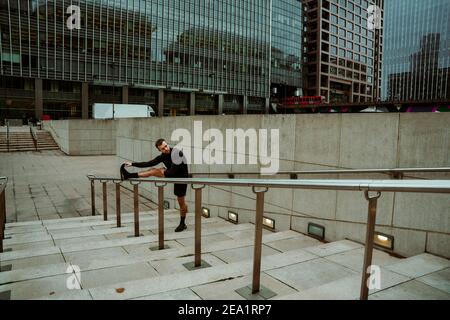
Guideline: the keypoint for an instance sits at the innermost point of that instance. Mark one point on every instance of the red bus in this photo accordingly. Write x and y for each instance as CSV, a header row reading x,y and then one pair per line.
x,y
291,102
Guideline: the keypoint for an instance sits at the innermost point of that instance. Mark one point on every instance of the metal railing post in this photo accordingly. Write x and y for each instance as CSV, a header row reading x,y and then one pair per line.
x,y
198,226
160,216
368,251
136,209
258,239
93,197
118,211
105,202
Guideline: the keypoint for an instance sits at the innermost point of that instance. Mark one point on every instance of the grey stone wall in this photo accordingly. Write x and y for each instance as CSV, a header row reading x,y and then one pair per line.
x,y
419,222
84,137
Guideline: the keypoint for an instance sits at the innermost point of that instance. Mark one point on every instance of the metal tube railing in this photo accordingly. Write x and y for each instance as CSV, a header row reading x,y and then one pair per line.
x,y
396,173
3,183
367,186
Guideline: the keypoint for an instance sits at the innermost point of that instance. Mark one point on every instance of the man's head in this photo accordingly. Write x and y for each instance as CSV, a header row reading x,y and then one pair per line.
x,y
162,146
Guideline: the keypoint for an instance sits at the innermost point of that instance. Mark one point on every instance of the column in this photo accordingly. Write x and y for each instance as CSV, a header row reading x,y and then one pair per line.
x,y
192,104
38,98
267,106
220,104
125,94
85,100
160,102
245,105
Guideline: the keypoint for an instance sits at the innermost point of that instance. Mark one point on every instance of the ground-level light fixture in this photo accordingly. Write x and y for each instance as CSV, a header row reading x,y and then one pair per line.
x,y
233,217
382,240
166,204
269,223
317,231
205,212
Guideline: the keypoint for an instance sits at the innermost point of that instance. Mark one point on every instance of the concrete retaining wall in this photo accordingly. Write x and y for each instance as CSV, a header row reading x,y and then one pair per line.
x,y
329,141
84,137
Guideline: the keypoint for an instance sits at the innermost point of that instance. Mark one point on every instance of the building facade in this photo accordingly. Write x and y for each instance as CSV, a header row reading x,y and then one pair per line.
x,y
343,50
287,49
183,56
417,50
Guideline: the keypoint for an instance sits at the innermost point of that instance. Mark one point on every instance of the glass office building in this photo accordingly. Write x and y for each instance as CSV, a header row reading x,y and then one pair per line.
x,y
183,56
287,45
416,50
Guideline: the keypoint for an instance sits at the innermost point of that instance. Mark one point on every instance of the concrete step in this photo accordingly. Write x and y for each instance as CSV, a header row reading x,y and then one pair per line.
x,y
91,222
87,261
167,263
208,228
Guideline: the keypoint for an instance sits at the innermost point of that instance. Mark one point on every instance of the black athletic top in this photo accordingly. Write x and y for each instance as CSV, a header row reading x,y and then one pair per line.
x,y
173,170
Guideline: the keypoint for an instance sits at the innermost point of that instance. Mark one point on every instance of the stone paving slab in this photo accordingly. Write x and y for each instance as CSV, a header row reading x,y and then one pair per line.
x,y
67,295
144,249
27,238
84,259
347,288
244,234
37,261
353,259
439,280
329,249
30,246
28,253
239,254
225,290
72,241
411,290
298,242
310,274
33,273
419,265
172,266
205,239
109,276
181,294
37,288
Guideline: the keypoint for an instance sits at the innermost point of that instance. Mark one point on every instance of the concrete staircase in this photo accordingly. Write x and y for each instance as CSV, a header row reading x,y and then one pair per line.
x,y
23,141
42,259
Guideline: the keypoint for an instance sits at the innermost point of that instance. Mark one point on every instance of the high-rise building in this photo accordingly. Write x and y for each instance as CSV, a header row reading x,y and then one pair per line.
x,y
416,50
343,49
183,56
287,46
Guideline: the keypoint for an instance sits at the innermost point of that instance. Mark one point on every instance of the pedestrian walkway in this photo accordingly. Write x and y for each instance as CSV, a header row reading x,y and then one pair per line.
x,y
49,185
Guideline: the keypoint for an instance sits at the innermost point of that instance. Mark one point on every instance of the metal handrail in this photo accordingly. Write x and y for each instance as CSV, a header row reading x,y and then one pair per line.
x,y
260,187
395,172
3,183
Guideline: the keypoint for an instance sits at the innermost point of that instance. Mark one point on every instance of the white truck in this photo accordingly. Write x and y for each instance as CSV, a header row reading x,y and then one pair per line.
x,y
119,111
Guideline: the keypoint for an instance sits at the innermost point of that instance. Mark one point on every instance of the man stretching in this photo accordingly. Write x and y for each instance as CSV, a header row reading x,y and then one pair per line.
x,y
172,170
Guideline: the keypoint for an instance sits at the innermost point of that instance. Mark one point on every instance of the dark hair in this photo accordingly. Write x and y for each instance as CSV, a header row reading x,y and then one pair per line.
x,y
159,142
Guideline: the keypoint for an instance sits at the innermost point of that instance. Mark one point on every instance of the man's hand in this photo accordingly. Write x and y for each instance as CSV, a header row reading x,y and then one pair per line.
x,y
128,164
